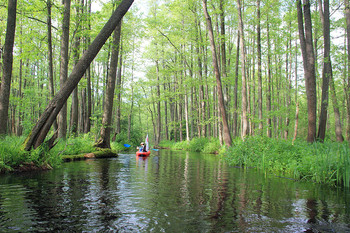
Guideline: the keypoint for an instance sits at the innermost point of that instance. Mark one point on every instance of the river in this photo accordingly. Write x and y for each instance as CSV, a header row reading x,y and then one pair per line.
x,y
170,191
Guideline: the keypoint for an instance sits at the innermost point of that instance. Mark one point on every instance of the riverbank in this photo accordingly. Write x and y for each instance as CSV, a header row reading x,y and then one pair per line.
x,y
14,159
327,163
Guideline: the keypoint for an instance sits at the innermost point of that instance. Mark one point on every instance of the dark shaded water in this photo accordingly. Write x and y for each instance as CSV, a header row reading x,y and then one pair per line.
x,y
167,192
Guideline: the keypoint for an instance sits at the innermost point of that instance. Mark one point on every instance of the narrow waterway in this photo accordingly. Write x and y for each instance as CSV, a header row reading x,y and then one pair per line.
x,y
170,191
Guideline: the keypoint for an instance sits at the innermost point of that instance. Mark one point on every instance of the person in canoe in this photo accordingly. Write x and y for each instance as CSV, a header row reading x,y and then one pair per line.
x,y
142,148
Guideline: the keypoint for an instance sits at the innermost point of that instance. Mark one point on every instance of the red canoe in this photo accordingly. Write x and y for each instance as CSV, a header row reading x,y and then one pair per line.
x,y
138,153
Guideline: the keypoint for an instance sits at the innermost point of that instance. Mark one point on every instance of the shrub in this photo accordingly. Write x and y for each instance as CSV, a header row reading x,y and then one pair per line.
x,y
212,146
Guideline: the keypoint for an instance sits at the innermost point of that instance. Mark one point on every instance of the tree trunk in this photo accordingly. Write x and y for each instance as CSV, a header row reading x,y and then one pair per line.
x,y
159,116
327,70
62,119
49,45
74,119
87,125
309,65
289,81
104,141
118,89
338,127
347,15
245,128
227,135
44,123
7,66
235,89
268,91
296,122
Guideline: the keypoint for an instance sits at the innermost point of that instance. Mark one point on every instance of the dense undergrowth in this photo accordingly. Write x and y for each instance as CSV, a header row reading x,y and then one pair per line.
x,y
205,145
327,162
12,154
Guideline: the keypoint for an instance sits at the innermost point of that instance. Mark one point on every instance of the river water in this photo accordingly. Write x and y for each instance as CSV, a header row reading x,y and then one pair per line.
x,y
170,191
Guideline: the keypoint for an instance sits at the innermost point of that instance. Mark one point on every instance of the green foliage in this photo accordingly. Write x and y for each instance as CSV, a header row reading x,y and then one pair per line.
x,y
184,145
74,145
327,162
10,153
197,144
212,146
166,144
205,145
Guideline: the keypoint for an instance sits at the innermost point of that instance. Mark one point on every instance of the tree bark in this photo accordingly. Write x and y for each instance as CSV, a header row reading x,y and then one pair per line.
x,y
235,89
269,84
49,45
309,65
74,119
7,66
87,125
104,141
159,118
62,118
327,70
245,128
40,130
118,89
227,135
347,16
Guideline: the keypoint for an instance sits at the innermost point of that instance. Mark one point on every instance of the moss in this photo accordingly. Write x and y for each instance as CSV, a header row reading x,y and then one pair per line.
x,y
100,153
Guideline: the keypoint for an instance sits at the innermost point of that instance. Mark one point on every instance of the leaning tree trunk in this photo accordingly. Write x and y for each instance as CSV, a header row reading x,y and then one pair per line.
x,y
227,135
42,127
7,66
105,137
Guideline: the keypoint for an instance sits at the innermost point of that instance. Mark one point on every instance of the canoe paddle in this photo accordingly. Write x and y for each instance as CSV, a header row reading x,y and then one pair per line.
x,y
127,146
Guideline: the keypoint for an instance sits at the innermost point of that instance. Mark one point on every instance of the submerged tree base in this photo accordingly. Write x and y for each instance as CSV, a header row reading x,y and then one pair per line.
x,y
103,153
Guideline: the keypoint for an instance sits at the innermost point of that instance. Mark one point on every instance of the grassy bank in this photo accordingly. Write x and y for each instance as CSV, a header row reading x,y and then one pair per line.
x,y
327,162
12,157
205,145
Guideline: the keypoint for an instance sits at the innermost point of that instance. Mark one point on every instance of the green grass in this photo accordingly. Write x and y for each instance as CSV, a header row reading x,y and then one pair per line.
x,y
326,162
204,145
12,155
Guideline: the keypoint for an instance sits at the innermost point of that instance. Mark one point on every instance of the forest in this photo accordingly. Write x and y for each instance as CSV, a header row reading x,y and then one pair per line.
x,y
220,70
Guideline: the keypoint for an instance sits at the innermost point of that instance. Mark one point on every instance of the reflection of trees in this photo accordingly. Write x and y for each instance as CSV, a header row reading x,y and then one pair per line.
x,y
108,212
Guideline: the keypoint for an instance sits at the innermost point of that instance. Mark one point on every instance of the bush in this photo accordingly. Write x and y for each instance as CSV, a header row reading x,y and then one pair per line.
x,y
212,146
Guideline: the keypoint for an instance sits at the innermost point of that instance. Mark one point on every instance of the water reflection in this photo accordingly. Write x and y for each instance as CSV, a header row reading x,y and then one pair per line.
x,y
168,191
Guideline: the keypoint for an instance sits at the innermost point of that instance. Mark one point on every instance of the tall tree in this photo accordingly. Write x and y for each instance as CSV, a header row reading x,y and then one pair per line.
x,y
104,141
347,16
305,36
49,47
64,59
327,70
87,120
327,75
260,98
226,134
245,128
5,86
42,127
